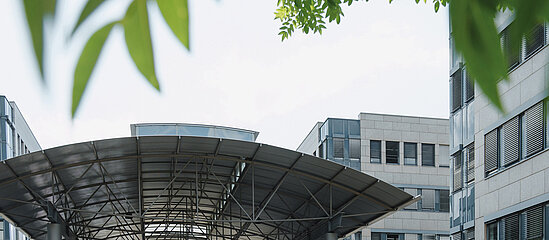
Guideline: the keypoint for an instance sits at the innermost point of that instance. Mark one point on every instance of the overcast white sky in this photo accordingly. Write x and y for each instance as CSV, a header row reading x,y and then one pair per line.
x,y
382,58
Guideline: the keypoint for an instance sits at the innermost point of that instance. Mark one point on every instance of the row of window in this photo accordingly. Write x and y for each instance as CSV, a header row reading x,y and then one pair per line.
x,y
519,138
518,50
530,224
432,200
402,236
468,234
464,166
392,153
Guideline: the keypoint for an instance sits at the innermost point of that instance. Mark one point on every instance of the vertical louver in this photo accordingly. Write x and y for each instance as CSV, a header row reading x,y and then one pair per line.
x,y
511,47
469,87
456,90
535,39
470,162
533,228
533,129
458,179
510,141
491,151
511,227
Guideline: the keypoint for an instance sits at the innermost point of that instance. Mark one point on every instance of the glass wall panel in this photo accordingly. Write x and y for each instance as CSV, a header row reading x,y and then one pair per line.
x,y
156,130
392,152
443,156
337,125
354,127
457,129
375,151
413,192
428,199
410,153
444,196
338,147
492,231
354,148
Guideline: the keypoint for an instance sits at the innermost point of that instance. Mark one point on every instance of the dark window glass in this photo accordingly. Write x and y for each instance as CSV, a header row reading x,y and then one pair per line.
x,y
535,39
427,154
392,152
376,236
492,231
358,235
354,148
338,147
457,90
321,150
444,196
410,153
375,151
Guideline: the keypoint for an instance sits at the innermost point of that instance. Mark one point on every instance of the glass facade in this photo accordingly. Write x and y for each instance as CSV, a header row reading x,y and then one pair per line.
x,y
340,142
180,129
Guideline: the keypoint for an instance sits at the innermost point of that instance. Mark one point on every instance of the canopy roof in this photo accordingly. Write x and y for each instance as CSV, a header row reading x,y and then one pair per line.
x,y
174,187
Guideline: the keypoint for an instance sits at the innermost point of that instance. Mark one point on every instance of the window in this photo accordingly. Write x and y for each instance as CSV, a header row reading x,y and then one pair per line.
x,y
337,125
457,132
457,95
444,196
458,179
469,87
470,234
470,149
456,236
510,141
376,236
492,231
354,127
375,151
491,151
428,199
413,192
322,150
511,47
533,223
427,154
532,126
535,39
443,156
511,227
338,147
354,148
410,153
358,235
392,152
428,237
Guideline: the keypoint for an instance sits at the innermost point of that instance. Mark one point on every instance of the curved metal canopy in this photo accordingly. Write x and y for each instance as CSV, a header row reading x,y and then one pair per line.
x,y
170,187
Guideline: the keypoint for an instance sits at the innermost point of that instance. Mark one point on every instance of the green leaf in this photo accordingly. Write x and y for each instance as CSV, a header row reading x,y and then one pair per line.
x,y
138,40
176,14
86,63
35,12
437,6
476,37
90,7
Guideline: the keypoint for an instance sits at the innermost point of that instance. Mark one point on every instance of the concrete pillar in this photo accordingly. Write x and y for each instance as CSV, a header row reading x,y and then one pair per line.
x,y
54,231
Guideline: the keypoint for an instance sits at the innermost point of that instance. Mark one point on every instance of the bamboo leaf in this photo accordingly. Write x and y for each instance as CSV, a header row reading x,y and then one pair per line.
x,y
138,40
86,63
477,39
176,15
35,12
90,7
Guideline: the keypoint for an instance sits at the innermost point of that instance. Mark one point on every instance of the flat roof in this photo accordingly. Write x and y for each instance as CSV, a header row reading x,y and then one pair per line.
x,y
174,187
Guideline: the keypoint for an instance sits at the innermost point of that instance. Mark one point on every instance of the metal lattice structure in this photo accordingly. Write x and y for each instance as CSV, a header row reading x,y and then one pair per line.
x,y
173,187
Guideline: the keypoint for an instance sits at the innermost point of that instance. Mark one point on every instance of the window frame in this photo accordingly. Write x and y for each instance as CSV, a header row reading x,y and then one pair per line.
x,y
379,152
397,152
415,151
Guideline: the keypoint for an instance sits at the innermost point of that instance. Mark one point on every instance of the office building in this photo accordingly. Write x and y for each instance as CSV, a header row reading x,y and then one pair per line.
x,y
410,153
16,139
500,162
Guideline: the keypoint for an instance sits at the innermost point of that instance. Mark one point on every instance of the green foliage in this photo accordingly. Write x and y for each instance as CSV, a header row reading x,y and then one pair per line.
x,y
86,63
136,32
176,14
36,12
138,40
475,35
